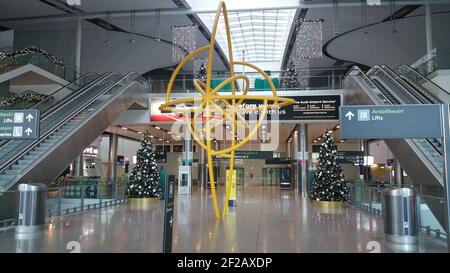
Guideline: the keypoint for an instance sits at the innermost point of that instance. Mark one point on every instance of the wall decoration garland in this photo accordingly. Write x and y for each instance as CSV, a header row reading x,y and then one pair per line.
x,y
31,50
27,96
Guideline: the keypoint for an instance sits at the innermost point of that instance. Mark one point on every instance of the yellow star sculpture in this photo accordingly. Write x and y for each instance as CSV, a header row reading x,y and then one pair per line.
x,y
227,105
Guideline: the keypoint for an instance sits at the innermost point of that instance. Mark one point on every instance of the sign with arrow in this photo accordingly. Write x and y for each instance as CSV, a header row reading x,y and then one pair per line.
x,y
19,124
390,121
349,115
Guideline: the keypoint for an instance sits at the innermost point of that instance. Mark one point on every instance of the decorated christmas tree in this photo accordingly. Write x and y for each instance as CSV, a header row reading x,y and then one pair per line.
x,y
292,81
144,179
328,182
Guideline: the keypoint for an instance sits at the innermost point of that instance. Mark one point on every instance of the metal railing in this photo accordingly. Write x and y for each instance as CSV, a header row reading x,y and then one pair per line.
x,y
435,60
369,198
314,78
67,200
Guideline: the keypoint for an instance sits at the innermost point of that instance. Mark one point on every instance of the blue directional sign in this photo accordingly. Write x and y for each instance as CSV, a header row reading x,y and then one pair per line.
x,y
19,124
390,121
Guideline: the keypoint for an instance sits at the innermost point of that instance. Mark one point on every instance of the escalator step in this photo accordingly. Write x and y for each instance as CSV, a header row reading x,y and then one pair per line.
x,y
12,172
17,167
27,159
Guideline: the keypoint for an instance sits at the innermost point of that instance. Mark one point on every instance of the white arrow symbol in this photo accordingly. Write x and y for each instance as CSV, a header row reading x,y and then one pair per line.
x,y
29,117
349,115
28,131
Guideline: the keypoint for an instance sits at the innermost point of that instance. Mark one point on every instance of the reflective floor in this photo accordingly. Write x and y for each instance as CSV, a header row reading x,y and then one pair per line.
x,y
265,220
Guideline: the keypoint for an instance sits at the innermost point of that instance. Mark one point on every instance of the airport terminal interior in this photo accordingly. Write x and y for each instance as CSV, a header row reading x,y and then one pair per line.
x,y
197,126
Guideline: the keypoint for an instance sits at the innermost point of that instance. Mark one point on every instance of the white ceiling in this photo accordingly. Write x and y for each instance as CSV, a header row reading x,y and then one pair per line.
x,y
114,5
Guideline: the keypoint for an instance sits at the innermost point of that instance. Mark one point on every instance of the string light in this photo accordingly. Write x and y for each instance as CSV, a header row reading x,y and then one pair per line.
x,y
184,41
302,69
308,43
197,68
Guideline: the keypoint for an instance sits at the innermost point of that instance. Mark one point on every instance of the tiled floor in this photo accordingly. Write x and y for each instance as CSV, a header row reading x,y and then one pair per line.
x,y
265,220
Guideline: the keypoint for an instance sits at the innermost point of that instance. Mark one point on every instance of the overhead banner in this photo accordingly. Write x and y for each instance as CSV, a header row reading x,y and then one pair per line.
x,y
306,108
319,107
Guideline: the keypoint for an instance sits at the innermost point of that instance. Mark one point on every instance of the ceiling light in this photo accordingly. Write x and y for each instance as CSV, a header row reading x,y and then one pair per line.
x,y
167,141
338,126
315,140
330,131
295,132
124,128
319,138
159,139
139,132
151,136
169,132
342,140
156,127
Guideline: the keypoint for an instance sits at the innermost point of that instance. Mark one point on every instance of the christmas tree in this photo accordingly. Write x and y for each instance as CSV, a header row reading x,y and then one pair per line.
x,y
201,74
144,179
292,81
328,182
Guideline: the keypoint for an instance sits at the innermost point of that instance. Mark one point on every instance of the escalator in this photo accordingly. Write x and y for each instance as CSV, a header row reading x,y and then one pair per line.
x,y
67,126
420,158
52,100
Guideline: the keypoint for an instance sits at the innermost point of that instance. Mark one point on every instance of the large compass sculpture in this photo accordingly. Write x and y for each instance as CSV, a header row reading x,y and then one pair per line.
x,y
228,106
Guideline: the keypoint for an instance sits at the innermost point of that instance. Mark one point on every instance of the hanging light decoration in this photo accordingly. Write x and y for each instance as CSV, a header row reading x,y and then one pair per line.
x,y
198,71
184,41
393,16
108,28
308,43
132,24
302,69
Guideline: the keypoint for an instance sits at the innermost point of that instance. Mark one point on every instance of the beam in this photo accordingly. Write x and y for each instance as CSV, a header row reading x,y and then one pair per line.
x,y
185,11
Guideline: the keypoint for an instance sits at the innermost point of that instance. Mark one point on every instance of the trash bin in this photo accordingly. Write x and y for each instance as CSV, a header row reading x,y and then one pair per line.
x,y
31,211
400,215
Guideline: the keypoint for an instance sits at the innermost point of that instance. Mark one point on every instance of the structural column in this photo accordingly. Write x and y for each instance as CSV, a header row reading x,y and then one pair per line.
x,y
429,36
78,49
78,165
398,173
187,146
202,168
302,158
428,28
112,168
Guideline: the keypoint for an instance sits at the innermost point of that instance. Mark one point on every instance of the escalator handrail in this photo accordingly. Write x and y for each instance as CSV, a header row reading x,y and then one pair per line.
x,y
373,70
379,68
68,118
409,68
20,153
401,81
3,142
65,86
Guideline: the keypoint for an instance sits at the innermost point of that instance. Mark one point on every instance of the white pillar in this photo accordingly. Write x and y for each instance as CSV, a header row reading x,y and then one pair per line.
x,y
78,49
303,157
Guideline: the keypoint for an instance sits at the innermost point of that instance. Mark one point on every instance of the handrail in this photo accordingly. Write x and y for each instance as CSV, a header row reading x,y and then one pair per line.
x,y
410,69
43,114
42,137
400,80
69,117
